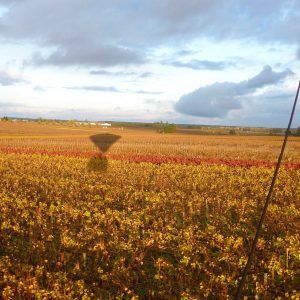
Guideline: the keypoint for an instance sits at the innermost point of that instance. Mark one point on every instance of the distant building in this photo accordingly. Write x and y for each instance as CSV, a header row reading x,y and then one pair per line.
x,y
105,125
80,123
84,123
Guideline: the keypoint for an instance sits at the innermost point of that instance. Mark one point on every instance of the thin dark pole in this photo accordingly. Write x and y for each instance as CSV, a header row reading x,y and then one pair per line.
x,y
264,211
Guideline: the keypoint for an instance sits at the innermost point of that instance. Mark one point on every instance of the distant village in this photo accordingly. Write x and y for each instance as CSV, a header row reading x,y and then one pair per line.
x,y
163,127
99,124
74,122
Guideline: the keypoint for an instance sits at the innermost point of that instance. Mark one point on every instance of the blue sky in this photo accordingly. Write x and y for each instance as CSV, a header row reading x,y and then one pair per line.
x,y
194,61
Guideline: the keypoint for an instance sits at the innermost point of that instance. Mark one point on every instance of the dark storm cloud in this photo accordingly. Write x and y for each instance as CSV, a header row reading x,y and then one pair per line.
x,y
86,35
109,33
202,64
100,55
270,108
216,100
265,77
6,79
7,2
268,20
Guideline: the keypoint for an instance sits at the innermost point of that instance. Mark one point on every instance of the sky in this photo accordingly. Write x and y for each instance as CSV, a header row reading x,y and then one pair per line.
x,y
195,61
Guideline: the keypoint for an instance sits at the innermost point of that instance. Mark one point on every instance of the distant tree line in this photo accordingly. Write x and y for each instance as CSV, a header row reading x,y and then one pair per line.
x,y
165,127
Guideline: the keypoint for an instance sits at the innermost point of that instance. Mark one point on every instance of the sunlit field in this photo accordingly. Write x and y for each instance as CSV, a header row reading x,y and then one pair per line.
x,y
169,216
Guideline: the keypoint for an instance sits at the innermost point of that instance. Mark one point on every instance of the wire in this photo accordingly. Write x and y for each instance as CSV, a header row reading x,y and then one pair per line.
x,y
264,211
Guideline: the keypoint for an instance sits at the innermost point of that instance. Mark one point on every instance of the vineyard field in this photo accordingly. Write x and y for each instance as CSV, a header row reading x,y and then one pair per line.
x,y
168,216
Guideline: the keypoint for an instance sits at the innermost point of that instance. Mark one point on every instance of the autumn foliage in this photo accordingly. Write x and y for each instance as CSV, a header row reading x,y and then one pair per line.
x,y
149,227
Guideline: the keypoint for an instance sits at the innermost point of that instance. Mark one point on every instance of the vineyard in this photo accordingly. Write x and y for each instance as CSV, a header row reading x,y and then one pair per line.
x,y
171,216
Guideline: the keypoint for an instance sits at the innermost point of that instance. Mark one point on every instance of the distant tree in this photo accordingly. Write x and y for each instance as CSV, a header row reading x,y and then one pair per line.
x,y
297,131
5,118
166,127
232,132
71,122
169,128
276,131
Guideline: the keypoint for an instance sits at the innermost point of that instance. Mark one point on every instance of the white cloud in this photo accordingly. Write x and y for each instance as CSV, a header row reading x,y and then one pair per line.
x,y
114,53
7,79
218,99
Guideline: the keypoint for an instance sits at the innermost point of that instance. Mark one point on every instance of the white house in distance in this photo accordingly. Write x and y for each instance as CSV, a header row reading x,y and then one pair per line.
x,y
88,123
105,125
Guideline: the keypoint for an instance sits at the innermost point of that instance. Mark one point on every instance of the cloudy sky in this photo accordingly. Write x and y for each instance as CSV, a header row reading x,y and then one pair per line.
x,y
194,61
